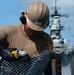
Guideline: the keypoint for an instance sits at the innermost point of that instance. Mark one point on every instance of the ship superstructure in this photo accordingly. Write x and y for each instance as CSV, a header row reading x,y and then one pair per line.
x,y
60,45
55,30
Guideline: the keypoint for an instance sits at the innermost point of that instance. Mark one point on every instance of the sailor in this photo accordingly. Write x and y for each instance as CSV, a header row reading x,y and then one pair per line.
x,y
29,35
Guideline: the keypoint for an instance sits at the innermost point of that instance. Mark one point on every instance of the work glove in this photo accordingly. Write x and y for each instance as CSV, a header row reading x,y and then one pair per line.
x,y
10,54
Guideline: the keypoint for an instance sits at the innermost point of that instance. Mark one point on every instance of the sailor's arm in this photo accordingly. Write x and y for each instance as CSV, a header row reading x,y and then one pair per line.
x,y
2,34
50,44
5,31
50,47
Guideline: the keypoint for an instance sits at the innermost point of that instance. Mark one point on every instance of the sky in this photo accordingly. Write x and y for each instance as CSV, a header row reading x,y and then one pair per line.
x,y
10,11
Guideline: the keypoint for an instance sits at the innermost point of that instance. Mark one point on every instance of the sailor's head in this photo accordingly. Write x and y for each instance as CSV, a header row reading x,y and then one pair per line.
x,y
37,16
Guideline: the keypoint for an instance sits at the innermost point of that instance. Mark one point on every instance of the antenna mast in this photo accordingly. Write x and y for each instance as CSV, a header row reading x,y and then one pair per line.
x,y
55,7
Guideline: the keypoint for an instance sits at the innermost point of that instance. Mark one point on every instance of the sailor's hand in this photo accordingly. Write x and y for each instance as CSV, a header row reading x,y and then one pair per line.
x,y
13,53
5,54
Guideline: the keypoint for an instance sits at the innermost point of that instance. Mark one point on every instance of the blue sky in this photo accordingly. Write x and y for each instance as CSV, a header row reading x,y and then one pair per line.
x,y
10,11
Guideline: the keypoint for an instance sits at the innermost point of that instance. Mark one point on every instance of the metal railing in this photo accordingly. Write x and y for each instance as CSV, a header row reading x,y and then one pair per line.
x,y
18,67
